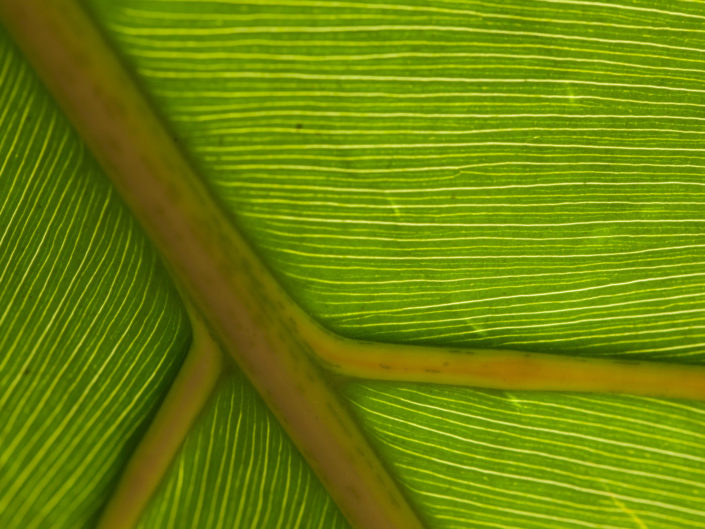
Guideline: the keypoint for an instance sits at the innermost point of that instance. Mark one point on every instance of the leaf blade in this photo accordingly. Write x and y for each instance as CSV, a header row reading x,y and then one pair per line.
x,y
493,459
92,332
524,175
237,468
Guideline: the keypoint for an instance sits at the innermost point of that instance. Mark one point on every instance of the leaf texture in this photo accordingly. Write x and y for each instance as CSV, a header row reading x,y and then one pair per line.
x,y
532,460
91,332
514,174
509,174
237,468
522,174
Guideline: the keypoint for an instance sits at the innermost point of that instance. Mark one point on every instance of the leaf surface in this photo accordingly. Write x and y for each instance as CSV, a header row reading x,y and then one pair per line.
x,y
91,331
238,469
525,175
493,459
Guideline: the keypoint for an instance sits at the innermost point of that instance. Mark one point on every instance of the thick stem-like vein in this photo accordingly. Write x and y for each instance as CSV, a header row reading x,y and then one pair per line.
x,y
149,462
510,370
254,321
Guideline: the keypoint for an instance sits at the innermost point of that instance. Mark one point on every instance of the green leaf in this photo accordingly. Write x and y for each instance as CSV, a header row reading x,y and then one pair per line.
x,y
91,330
487,459
239,453
451,173
92,335
523,175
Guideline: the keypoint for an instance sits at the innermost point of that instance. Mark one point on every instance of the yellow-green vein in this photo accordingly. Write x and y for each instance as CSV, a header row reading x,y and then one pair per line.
x,y
150,460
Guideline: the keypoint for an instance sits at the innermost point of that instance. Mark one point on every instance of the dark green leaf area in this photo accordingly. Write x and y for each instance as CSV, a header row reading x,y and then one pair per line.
x,y
91,331
237,468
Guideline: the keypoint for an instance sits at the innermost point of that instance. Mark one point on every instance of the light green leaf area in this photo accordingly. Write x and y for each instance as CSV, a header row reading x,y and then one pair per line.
x,y
237,468
536,460
502,174
92,334
499,174
91,331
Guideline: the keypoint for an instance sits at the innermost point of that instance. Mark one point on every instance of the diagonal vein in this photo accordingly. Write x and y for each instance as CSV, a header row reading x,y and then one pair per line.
x,y
245,308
